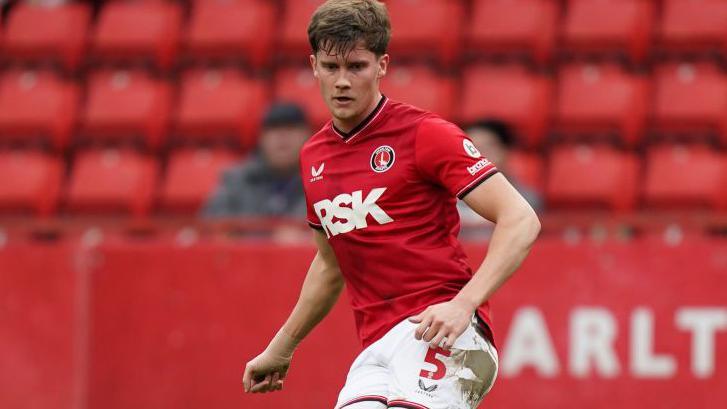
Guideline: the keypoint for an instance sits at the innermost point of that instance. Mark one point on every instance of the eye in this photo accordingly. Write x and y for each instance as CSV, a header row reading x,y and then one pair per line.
x,y
356,66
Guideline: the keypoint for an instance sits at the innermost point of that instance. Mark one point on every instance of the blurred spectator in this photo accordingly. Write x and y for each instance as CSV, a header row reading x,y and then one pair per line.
x,y
495,140
268,182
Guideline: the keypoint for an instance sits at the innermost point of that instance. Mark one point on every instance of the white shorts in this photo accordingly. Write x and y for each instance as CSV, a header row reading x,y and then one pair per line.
x,y
397,371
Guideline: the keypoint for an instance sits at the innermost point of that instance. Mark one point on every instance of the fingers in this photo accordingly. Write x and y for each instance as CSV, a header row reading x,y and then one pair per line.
x,y
263,386
247,378
438,338
275,382
434,329
424,324
416,319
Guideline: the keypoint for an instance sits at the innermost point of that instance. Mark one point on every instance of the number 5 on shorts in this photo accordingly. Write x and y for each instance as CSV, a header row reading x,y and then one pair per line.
x,y
431,358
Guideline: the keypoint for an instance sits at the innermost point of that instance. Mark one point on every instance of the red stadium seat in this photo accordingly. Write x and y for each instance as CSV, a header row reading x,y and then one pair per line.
x,y
592,176
138,31
126,105
426,28
690,26
40,33
220,105
298,85
620,27
31,182
511,94
232,29
422,87
527,168
691,99
191,177
601,99
294,31
679,175
37,105
112,181
503,27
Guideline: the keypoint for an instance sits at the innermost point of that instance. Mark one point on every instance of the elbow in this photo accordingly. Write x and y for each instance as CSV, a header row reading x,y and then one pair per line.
x,y
530,226
535,226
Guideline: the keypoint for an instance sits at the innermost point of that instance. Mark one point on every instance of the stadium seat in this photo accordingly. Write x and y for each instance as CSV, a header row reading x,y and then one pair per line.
x,y
595,100
596,177
41,33
31,182
293,40
37,106
220,105
298,85
126,106
223,30
691,99
513,27
426,28
693,26
685,175
527,168
511,94
136,31
192,175
112,181
422,87
608,27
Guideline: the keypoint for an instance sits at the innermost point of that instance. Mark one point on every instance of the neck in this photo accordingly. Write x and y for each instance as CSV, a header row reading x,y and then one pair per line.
x,y
346,125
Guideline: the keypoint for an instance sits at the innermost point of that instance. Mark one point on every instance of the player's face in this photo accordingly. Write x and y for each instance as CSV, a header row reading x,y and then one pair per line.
x,y
349,83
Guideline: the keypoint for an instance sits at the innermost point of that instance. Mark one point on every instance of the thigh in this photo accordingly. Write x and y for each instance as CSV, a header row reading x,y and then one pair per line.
x,y
367,384
434,378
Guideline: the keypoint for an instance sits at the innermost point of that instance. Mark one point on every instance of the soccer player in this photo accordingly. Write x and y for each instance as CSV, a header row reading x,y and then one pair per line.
x,y
381,182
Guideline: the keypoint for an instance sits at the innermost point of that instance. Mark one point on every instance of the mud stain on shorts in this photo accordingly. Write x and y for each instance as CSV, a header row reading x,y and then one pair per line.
x,y
474,372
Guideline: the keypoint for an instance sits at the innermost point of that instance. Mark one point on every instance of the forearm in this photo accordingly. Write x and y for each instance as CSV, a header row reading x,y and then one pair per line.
x,y
513,236
320,291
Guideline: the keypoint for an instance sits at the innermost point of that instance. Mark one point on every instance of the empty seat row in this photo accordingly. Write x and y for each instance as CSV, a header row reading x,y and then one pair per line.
x,y
248,30
576,176
674,176
584,101
109,181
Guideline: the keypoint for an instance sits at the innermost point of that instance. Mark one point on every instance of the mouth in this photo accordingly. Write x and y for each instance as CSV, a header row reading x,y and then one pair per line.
x,y
343,99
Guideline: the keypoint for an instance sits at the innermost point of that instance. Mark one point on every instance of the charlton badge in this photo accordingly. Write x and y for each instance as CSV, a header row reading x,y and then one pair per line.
x,y
382,159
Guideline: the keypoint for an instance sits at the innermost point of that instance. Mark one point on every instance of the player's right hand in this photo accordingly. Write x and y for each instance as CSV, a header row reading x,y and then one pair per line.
x,y
265,373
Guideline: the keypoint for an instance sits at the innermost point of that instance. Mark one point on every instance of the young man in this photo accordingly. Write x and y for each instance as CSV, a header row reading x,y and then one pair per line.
x,y
381,182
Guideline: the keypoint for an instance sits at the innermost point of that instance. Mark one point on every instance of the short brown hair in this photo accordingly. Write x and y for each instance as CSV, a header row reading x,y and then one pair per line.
x,y
337,26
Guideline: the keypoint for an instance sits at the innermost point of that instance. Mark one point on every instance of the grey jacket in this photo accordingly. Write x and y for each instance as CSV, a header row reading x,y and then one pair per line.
x,y
251,188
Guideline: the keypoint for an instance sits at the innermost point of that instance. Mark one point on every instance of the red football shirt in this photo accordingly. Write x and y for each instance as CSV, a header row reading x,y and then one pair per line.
x,y
385,194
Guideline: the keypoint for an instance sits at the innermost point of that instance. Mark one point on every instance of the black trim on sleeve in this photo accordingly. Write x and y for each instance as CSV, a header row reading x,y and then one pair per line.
x,y
479,182
315,226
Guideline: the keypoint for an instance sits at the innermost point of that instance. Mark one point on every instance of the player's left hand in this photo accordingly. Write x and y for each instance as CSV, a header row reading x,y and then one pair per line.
x,y
445,321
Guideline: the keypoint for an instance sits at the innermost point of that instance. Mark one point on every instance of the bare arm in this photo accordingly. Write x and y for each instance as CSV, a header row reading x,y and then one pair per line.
x,y
320,291
516,228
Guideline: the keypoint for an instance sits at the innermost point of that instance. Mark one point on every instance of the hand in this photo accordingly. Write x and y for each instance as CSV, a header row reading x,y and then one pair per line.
x,y
446,320
266,372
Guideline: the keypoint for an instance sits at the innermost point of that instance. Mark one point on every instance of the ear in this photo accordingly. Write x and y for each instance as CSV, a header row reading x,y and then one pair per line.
x,y
312,59
383,66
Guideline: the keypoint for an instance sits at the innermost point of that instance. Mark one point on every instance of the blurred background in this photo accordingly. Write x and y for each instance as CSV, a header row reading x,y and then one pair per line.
x,y
152,237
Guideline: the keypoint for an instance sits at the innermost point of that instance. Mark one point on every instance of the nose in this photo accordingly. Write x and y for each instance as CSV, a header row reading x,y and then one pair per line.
x,y
342,81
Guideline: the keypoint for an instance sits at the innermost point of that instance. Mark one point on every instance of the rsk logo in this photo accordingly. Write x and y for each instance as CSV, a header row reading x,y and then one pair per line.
x,y
350,211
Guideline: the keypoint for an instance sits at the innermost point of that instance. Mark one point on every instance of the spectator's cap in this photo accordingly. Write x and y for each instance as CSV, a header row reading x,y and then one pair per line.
x,y
284,114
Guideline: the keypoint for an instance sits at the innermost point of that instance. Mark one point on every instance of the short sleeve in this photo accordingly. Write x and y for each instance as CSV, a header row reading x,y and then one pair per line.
x,y
446,157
